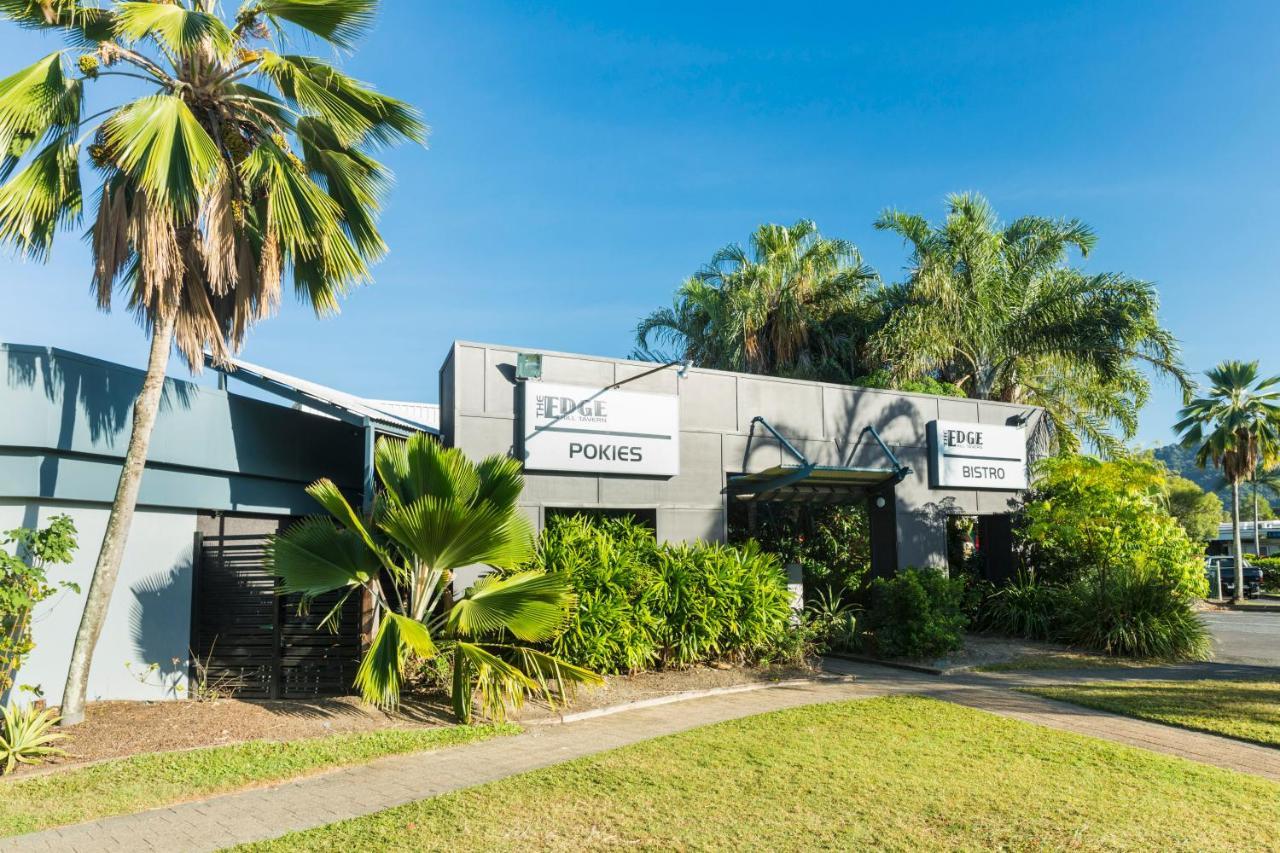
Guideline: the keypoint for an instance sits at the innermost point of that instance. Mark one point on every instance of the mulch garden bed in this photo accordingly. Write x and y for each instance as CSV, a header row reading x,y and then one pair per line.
x,y
119,729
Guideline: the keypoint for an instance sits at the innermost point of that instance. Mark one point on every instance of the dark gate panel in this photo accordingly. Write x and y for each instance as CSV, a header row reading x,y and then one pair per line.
x,y
257,644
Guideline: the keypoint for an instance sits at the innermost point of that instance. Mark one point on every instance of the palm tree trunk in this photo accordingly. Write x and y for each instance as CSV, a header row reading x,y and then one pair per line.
x,y
111,553
1238,596
1257,542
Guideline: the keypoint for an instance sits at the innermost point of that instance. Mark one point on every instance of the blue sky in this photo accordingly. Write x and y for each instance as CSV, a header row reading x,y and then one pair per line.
x,y
585,157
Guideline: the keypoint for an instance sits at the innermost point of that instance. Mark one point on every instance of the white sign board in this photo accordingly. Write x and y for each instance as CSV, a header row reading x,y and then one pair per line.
x,y
977,456
602,431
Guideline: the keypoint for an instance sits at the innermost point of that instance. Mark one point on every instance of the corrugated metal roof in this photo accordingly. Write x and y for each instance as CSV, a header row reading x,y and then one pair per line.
x,y
389,415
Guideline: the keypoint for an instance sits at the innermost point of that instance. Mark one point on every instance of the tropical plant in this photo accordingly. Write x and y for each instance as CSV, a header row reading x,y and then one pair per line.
x,y
916,614
24,583
1131,613
833,621
1087,515
1023,608
794,304
437,512
27,736
1234,427
642,604
234,168
998,310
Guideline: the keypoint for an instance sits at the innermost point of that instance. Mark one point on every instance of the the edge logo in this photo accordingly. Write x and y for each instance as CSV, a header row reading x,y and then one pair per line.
x,y
962,438
570,409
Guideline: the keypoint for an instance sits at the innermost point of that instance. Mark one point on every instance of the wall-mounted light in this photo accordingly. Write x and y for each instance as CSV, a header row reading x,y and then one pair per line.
x,y
880,502
529,365
684,369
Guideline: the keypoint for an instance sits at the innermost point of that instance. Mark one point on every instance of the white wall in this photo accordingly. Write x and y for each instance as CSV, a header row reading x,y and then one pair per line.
x,y
149,620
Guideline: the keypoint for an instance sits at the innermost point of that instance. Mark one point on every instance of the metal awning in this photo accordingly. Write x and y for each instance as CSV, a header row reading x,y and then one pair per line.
x,y
329,401
811,483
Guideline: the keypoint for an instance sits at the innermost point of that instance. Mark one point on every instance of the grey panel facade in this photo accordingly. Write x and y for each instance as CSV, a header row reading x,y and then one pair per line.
x,y
479,402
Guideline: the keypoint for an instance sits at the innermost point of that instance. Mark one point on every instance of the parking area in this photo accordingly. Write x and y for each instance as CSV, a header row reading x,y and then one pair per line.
x,y
1241,637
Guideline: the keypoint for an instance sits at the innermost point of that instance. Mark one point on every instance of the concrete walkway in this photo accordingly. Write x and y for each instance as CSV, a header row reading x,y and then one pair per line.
x,y
269,812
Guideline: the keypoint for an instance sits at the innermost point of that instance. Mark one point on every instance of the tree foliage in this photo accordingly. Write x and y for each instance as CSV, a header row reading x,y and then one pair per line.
x,y
1086,516
794,303
1235,427
235,168
999,311
1199,512
987,310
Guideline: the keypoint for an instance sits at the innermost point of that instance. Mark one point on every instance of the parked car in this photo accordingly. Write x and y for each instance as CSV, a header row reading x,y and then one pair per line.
x,y
1252,576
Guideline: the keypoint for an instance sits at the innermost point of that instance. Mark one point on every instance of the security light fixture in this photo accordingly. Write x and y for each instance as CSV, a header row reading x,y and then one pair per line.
x,y
880,502
529,365
684,369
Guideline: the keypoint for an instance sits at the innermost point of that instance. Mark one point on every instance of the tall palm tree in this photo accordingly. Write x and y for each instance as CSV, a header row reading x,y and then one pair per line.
x,y
235,168
437,512
795,303
1234,426
999,311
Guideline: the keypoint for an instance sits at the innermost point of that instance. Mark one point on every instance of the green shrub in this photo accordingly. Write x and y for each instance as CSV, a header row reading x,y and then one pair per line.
x,y
1132,614
642,604
1270,572
917,614
1023,608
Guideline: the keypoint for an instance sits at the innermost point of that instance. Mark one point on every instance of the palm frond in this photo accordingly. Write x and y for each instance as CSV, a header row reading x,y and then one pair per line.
x,y
340,22
164,150
41,198
530,605
182,31
314,557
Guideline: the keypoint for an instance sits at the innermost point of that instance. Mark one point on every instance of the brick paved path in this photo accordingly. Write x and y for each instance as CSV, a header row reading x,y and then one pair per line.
x,y
268,812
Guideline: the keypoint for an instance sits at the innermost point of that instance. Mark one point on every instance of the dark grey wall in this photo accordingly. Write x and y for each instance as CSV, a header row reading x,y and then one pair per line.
x,y
825,421
64,427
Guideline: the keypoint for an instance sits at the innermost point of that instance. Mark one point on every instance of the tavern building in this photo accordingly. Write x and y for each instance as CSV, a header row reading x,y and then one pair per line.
x,y
680,448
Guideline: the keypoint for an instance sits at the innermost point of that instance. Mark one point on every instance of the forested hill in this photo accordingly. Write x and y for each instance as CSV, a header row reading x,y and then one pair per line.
x,y
1182,462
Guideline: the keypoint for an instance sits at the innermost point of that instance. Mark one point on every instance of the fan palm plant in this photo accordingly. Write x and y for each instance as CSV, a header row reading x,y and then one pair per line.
x,y
796,304
235,168
437,512
1234,427
998,311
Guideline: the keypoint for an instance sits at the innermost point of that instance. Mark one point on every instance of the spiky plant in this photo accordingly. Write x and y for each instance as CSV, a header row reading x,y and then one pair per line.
x,y
27,736
238,168
1235,426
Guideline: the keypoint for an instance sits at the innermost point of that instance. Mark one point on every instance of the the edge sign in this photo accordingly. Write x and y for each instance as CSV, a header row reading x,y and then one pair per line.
x,y
977,456
605,431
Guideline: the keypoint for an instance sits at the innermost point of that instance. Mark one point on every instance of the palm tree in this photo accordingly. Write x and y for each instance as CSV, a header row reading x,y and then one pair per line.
x,y
237,166
795,304
999,311
438,512
1233,427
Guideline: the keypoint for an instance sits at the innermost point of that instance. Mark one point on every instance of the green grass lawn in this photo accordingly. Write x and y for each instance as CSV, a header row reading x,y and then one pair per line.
x,y
1247,710
148,781
897,773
